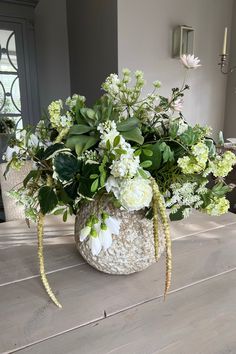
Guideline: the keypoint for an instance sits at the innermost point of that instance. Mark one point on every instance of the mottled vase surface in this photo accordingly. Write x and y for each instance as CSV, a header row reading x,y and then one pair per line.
x,y
131,251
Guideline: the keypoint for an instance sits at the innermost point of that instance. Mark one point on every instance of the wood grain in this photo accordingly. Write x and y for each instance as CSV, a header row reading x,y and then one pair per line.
x,y
199,320
85,293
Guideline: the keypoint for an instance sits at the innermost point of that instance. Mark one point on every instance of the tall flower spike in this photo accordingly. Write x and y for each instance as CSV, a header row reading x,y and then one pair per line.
x,y
47,287
155,217
159,204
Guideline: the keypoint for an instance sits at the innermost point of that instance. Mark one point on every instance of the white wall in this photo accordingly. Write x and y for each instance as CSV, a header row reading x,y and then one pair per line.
x,y
145,42
230,122
52,51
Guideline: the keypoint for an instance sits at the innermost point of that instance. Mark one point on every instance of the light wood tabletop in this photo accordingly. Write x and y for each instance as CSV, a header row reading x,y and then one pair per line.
x,y
104,314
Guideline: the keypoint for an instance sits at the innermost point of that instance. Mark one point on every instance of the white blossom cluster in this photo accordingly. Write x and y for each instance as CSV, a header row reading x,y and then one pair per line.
x,y
186,194
125,164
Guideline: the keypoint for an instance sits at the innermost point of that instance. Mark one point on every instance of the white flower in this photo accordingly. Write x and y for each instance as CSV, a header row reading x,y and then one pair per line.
x,y
112,185
126,166
105,238
183,126
177,105
95,245
189,61
33,141
135,194
10,151
113,225
84,233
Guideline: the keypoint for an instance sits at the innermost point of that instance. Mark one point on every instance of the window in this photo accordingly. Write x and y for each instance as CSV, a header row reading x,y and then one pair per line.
x,y
10,99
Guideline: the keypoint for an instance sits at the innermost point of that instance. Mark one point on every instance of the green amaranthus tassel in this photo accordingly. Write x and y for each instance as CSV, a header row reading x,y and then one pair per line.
x,y
47,287
159,208
155,200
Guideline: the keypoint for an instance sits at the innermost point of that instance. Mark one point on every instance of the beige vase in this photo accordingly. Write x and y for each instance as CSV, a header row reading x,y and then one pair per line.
x,y
131,251
13,180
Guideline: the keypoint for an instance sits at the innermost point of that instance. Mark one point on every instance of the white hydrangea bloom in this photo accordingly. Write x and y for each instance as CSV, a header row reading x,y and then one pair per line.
x,y
126,166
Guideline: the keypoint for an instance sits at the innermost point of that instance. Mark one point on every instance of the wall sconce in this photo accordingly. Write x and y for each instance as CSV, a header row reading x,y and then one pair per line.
x,y
224,62
183,41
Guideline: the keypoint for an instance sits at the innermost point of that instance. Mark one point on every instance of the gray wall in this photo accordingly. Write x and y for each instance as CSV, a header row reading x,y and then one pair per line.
x,y
52,51
230,122
92,29
145,41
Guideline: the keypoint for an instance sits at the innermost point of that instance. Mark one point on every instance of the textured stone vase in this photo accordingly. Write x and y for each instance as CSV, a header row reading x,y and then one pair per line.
x,y
13,180
131,251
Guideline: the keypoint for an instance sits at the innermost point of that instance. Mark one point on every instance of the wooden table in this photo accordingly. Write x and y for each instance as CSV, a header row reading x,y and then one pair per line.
x,y
120,314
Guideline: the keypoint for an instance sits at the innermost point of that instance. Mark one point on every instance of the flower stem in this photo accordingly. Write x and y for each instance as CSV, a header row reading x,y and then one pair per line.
x,y
47,287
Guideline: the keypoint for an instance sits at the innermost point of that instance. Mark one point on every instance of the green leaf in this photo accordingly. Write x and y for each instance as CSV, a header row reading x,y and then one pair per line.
x,y
146,164
174,130
189,137
127,124
51,150
59,211
211,146
103,178
94,176
31,175
47,199
116,141
134,135
147,152
81,143
219,190
108,145
120,151
65,215
94,186
138,152
80,129
142,173
178,215
168,155
156,157
67,166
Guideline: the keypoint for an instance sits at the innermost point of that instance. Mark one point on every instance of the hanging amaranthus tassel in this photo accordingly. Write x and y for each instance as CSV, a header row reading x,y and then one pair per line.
x,y
158,204
166,229
48,289
155,217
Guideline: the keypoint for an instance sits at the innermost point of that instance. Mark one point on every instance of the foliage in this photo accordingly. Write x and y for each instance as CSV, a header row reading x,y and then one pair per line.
x,y
124,139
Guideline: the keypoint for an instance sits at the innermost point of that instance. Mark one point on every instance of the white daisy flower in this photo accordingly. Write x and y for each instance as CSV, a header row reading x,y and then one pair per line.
x,y
189,61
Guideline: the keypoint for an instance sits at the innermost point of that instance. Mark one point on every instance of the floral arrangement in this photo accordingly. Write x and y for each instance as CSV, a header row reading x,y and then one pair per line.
x,y
137,151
